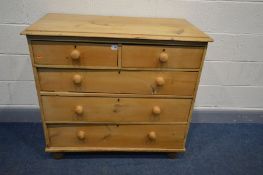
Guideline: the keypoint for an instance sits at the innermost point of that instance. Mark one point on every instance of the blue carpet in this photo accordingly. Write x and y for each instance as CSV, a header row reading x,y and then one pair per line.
x,y
211,149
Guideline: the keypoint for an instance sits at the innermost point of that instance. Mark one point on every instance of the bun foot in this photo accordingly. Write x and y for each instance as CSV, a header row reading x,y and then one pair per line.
x,y
171,155
57,155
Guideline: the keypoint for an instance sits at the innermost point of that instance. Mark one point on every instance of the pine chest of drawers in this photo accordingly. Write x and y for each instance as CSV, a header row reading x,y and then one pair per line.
x,y
115,83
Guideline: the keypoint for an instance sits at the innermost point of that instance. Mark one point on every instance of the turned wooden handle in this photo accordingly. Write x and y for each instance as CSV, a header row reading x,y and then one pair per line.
x,y
79,110
75,54
160,81
152,135
163,57
81,135
156,110
77,79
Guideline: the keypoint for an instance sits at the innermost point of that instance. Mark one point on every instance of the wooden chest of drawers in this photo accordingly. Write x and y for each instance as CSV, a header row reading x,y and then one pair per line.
x,y
115,83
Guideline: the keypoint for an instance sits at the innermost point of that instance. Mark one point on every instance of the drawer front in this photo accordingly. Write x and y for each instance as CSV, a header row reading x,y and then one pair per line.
x,y
74,54
141,82
99,109
118,136
161,56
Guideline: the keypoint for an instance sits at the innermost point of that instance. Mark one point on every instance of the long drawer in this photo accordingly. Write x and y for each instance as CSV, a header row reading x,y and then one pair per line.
x,y
118,136
74,54
102,109
132,82
161,56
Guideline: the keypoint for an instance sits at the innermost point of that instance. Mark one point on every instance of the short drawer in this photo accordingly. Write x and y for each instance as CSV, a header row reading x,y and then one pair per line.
x,y
74,54
132,82
102,109
162,56
118,136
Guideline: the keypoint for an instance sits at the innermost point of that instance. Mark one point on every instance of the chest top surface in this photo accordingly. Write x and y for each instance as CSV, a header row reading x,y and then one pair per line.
x,y
116,27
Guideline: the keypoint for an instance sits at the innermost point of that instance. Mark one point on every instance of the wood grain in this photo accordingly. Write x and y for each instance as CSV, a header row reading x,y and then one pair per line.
x,y
104,40
149,56
115,83
133,82
117,136
117,149
85,94
116,27
95,109
119,68
37,84
58,53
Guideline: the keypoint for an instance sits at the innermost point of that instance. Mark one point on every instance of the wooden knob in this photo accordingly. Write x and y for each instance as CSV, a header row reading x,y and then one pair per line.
x,y
156,110
79,110
163,57
75,54
81,135
160,81
152,135
77,79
